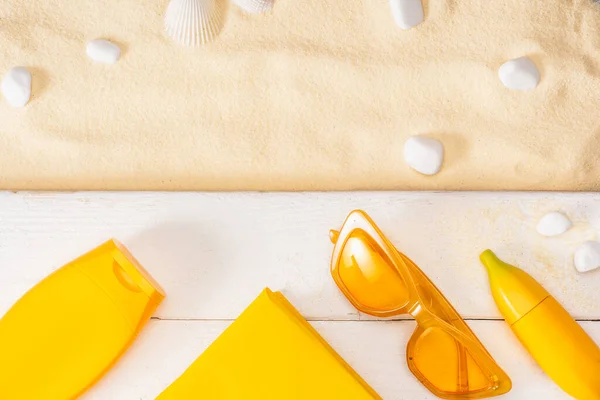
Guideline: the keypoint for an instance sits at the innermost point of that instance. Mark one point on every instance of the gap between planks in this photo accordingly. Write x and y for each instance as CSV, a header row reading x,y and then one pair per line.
x,y
344,320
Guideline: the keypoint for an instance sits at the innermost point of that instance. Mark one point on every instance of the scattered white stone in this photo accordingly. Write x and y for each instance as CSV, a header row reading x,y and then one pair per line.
x,y
553,224
103,51
424,155
16,86
407,13
587,256
519,74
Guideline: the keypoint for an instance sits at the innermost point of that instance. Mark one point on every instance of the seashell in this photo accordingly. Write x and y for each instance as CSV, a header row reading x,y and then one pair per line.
x,y
193,22
255,6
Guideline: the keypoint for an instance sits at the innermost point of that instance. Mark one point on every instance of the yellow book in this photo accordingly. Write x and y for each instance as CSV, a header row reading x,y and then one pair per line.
x,y
269,352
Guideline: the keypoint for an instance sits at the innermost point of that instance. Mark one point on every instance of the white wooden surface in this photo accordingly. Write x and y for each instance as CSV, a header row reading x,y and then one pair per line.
x,y
213,253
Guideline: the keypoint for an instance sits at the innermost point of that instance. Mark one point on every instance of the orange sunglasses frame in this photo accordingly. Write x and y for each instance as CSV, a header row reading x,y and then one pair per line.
x,y
449,321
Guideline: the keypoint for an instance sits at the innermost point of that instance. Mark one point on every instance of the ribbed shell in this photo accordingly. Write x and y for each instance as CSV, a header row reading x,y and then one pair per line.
x,y
193,22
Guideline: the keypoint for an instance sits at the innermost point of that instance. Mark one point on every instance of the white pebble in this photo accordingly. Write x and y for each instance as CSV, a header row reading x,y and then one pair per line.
x,y
407,13
519,74
553,224
424,155
587,256
16,86
103,51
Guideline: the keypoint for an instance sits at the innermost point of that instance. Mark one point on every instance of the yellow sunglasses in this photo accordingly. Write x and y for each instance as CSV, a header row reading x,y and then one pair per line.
x,y
443,353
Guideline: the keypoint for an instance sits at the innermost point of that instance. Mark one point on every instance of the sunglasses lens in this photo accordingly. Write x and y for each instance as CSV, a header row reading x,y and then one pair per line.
x,y
446,364
369,275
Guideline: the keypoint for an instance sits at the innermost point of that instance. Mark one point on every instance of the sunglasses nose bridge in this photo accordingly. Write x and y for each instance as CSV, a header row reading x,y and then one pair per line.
x,y
420,314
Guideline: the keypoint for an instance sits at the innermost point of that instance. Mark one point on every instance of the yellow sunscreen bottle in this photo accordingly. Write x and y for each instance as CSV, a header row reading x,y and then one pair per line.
x,y
67,331
554,339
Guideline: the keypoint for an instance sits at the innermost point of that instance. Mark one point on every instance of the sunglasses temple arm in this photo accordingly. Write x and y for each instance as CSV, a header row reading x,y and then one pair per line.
x,y
463,373
479,354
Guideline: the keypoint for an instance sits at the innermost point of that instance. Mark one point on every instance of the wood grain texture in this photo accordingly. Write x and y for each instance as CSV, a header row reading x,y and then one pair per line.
x,y
376,350
214,252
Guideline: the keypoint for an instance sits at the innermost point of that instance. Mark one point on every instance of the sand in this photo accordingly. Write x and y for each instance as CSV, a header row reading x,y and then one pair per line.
x,y
316,95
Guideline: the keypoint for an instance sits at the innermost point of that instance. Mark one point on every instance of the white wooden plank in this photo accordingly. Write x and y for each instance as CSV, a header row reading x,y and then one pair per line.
x,y
376,350
213,252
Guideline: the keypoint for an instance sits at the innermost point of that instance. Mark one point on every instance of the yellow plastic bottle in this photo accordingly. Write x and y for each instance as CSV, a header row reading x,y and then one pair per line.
x,y
67,331
554,339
